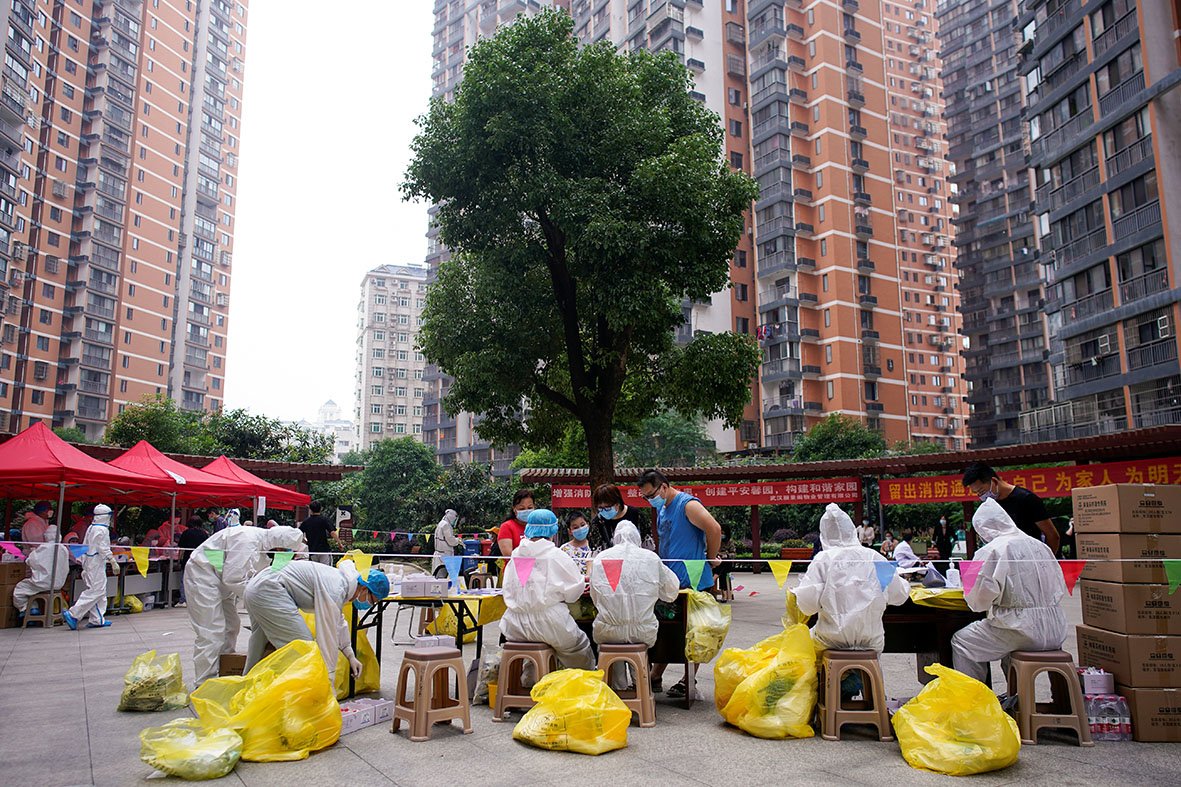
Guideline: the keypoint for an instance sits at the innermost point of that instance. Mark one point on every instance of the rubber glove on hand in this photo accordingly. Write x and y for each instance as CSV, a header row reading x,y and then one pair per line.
x,y
355,666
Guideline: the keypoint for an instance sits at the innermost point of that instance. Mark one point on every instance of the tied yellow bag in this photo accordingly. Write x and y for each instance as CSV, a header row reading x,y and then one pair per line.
x,y
370,679
956,726
575,711
769,691
154,684
284,708
708,624
184,748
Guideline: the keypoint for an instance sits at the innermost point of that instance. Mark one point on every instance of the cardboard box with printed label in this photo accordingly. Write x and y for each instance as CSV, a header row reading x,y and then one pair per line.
x,y
1156,713
1127,557
231,664
383,710
356,716
1140,661
424,587
1131,609
1127,508
12,573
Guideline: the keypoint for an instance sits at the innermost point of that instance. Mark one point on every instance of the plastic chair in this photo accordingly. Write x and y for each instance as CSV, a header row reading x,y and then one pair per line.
x,y
1066,708
639,700
432,702
48,615
833,712
511,693
481,579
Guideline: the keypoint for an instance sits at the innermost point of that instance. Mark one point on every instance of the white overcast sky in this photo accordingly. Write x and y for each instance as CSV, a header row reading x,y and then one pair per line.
x,y
330,100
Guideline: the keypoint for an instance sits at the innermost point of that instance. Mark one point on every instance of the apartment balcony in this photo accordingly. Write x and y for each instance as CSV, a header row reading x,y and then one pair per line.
x,y
779,226
1059,138
863,231
805,263
795,32
1052,199
1080,248
772,31
796,63
803,196
801,162
775,192
852,36
859,165
1092,369
1124,27
809,335
871,370
804,230
799,129
856,98
854,66
870,336
772,159
865,264
862,198
777,296
775,263
1090,305
858,132
809,300
866,300
780,369
1153,354
810,371
1112,100
852,6
797,96
1143,286
1145,217
782,439
778,406
813,407
1130,156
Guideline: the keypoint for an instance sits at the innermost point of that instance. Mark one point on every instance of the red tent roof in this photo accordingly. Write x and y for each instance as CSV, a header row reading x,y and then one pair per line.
x,y
191,485
36,462
277,496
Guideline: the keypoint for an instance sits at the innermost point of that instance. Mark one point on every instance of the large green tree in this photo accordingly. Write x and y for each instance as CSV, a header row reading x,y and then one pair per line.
x,y
665,440
838,437
396,474
584,196
158,420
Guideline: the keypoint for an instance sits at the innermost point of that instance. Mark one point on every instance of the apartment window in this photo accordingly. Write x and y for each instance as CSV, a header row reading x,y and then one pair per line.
x,y
871,391
45,317
740,259
1133,195
735,128
735,159
828,353
827,318
376,390
829,389
740,292
734,96
824,282
378,371
1124,67
375,427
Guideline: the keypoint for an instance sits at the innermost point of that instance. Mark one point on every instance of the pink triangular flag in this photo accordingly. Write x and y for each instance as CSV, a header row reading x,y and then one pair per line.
x,y
969,570
524,567
739,588
754,593
1071,569
612,568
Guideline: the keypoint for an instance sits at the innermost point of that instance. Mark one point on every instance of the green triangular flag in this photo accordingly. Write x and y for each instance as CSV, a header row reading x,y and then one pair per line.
x,y
356,534
216,557
281,559
694,568
1173,572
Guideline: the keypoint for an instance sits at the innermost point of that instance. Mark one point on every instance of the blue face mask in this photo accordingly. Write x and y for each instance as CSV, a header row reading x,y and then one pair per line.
x,y
361,604
656,501
523,516
609,513
580,533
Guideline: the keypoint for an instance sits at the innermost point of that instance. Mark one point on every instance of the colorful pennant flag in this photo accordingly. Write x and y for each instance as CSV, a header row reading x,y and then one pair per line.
x,y
612,568
140,555
969,570
356,534
1071,569
694,569
363,561
524,567
886,570
77,550
11,549
753,593
281,559
780,569
1173,572
216,557
374,535
454,563
739,588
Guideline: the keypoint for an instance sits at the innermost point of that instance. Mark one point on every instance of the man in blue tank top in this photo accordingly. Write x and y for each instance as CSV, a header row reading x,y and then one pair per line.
x,y
687,532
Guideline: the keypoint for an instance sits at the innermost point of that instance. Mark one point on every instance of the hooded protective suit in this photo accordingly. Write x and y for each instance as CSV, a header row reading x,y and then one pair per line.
x,y
445,539
904,555
1020,585
537,611
842,586
212,595
93,598
274,600
626,614
49,565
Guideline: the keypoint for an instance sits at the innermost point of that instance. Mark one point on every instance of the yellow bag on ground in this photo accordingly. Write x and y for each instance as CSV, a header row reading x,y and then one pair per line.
x,y
284,708
134,605
777,699
370,679
956,726
184,748
575,711
708,624
154,683
737,664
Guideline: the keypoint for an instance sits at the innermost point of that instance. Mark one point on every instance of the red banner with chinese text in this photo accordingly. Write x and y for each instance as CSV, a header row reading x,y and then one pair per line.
x,y
1042,481
824,491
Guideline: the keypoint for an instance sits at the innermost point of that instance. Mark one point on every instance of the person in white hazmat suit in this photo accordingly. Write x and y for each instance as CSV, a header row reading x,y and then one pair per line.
x,y
627,614
275,599
49,565
445,539
212,595
93,598
537,611
1020,585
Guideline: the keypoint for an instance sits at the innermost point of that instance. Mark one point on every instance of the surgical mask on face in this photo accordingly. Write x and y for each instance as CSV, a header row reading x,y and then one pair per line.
x,y
580,533
523,515
656,501
609,513
943,521
989,495
358,604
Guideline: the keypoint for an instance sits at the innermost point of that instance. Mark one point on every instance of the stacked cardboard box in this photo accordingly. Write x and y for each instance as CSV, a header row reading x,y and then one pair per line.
x,y
10,574
1132,626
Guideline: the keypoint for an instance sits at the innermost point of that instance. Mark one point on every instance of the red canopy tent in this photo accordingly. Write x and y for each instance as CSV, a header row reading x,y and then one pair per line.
x,y
183,483
276,496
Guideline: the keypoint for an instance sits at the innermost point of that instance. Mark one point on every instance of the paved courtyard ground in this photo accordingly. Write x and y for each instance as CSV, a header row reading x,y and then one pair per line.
x,y
59,726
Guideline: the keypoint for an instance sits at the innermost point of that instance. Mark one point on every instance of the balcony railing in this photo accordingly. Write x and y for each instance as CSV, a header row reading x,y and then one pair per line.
x,y
780,367
1052,199
776,262
777,404
1130,156
1143,286
1094,369
782,292
1125,25
1055,139
1152,354
1056,20
1090,305
1081,247
1113,99
1144,217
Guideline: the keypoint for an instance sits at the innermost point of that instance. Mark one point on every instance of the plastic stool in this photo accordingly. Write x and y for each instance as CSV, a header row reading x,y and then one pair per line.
x,y
510,691
481,579
1065,710
432,702
640,699
48,616
833,713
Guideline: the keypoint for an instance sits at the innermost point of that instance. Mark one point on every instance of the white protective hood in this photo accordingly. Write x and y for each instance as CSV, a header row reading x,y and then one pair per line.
x,y
627,613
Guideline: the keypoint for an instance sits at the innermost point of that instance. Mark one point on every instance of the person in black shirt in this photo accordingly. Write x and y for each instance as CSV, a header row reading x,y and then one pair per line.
x,y
193,537
317,529
1023,507
610,510
943,538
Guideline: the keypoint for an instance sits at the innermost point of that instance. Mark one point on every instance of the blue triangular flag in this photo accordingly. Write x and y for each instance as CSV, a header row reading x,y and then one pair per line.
x,y
77,550
886,570
453,564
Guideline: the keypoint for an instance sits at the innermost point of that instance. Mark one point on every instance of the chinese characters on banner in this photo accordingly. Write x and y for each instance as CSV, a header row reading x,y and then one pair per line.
x,y
822,491
1042,481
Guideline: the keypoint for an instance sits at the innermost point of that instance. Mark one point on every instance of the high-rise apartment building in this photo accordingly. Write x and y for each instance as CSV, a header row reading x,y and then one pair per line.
x,y
119,127
390,385
1100,80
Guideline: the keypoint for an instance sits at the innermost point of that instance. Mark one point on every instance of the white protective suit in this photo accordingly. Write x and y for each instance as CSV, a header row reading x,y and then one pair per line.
x,y
627,614
841,585
274,600
445,539
49,565
212,596
905,556
537,611
1021,586
93,598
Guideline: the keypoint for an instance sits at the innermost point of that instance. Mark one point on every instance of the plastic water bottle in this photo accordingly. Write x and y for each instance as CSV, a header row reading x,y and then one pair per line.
x,y
1092,706
1125,715
953,577
1111,718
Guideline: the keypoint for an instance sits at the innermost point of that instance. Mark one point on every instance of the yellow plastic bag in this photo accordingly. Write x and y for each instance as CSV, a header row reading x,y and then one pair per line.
x,y
154,684
776,700
737,664
791,613
370,679
708,624
956,726
575,711
284,708
134,605
184,748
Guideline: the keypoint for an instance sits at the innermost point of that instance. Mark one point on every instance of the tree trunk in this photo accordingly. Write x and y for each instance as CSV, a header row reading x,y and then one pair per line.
x,y
599,449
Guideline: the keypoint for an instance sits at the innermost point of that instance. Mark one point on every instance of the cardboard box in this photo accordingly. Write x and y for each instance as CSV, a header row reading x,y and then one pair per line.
x,y
232,664
1097,682
424,586
383,710
1156,713
1143,551
1131,609
11,573
356,716
1149,662
8,618
1127,508
434,641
